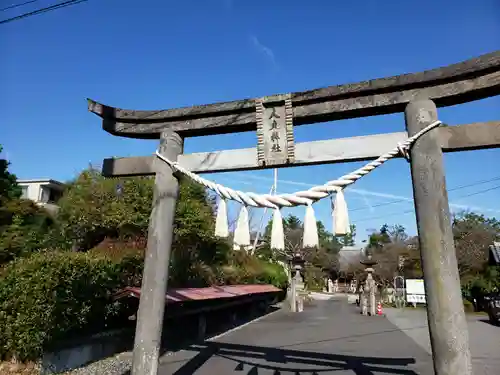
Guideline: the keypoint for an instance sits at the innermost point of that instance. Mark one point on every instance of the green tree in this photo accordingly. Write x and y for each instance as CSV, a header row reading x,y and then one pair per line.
x,y
390,245
327,240
293,229
348,239
473,233
319,260
292,222
9,189
378,239
196,253
24,228
94,208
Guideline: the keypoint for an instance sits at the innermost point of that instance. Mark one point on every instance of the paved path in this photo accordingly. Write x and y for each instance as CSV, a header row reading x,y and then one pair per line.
x,y
484,338
330,337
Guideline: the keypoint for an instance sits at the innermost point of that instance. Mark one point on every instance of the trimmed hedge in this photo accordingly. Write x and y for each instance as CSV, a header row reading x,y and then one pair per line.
x,y
468,306
243,268
52,295
24,228
314,278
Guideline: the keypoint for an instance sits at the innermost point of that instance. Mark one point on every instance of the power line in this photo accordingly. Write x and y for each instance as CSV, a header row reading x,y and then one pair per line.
x,y
479,192
480,182
405,200
43,10
402,199
18,5
412,210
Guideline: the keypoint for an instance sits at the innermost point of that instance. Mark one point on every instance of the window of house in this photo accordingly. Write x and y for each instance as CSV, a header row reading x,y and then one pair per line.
x,y
24,192
44,198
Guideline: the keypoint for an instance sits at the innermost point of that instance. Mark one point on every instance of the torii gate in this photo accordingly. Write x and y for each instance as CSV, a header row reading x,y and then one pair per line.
x,y
416,94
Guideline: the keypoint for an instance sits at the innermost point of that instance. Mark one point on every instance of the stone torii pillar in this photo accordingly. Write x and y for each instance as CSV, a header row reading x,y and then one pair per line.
x,y
445,310
154,283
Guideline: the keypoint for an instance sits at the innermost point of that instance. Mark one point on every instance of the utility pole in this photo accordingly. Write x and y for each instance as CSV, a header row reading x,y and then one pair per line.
x,y
273,190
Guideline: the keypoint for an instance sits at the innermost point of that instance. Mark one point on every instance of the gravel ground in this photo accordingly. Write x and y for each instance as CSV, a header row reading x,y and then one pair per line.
x,y
117,365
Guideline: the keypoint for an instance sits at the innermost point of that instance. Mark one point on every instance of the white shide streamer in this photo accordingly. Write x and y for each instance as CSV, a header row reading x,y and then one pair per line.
x,y
221,225
306,197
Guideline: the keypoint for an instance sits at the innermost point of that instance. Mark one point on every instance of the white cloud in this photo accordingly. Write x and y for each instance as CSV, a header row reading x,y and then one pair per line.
x,y
266,51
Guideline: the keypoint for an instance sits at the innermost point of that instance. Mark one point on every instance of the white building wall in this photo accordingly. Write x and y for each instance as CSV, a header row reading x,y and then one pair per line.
x,y
39,192
33,191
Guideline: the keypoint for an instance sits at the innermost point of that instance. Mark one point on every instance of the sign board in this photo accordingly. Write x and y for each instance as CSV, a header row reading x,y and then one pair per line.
x,y
415,291
274,117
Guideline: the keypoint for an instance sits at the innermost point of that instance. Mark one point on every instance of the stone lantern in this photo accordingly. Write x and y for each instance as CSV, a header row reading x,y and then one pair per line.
x,y
297,265
368,296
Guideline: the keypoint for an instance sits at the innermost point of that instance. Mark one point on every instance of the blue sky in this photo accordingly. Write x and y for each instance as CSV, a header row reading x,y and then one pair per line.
x,y
157,54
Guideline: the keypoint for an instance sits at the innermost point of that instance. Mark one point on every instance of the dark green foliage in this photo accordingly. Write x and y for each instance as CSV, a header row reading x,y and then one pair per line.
x,y
293,228
55,295
24,228
52,295
378,239
320,261
47,295
9,189
92,209
243,268
473,234
482,283
348,239
314,278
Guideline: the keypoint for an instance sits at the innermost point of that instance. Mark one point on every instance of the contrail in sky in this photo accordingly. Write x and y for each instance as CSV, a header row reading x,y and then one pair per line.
x,y
364,193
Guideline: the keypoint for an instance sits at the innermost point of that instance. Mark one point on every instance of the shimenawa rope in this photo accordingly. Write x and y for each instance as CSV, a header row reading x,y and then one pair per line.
x,y
307,197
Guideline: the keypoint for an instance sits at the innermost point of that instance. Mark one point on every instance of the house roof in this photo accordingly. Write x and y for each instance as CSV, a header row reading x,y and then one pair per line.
x,y
40,180
495,253
348,255
44,181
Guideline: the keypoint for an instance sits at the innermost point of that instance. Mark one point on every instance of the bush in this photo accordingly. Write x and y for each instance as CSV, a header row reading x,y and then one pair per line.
x,y
314,279
468,306
24,228
52,295
274,274
195,262
244,268
92,209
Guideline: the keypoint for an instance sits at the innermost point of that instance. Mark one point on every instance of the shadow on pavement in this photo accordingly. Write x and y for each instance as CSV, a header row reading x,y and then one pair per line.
x,y
254,358
180,333
487,321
